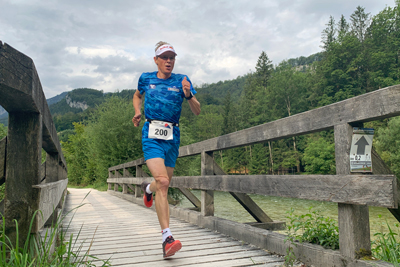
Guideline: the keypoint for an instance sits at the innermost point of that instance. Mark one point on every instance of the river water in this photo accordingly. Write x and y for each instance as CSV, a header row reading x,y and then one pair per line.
x,y
277,207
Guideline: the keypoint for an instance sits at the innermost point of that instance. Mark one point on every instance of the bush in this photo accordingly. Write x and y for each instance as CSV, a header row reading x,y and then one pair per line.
x,y
313,228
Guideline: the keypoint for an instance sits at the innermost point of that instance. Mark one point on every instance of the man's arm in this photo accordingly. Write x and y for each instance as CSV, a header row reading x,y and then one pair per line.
x,y
194,105
193,102
137,104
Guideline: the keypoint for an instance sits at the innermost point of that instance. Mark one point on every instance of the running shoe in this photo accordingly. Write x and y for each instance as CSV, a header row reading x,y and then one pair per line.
x,y
171,246
147,198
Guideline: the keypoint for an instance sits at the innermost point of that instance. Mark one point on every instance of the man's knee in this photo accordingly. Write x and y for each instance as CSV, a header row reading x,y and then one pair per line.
x,y
162,183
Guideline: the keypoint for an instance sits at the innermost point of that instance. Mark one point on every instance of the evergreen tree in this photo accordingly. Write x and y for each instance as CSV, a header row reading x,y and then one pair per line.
x,y
264,69
329,33
359,23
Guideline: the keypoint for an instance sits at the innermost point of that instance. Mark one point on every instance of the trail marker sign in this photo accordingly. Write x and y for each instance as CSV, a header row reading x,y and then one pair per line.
x,y
360,151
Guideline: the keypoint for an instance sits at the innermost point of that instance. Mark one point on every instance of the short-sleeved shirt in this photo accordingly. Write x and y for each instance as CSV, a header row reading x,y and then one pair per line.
x,y
163,100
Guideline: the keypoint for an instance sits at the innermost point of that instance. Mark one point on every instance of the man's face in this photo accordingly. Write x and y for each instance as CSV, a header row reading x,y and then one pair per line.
x,y
165,62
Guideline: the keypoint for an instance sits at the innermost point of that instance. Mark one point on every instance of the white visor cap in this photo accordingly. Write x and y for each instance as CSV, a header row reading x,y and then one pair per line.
x,y
165,48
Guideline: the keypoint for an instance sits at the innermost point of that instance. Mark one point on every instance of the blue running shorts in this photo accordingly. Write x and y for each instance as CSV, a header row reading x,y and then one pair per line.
x,y
156,148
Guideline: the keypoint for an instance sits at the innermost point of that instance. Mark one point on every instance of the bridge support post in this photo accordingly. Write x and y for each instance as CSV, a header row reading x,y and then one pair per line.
x,y
207,196
52,168
354,232
24,151
139,173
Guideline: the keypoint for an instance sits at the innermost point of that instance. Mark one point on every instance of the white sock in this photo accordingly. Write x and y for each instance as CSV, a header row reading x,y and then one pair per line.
x,y
148,189
166,233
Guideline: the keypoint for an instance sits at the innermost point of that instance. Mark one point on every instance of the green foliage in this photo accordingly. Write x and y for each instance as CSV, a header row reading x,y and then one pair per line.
x,y
3,131
108,139
387,144
218,90
313,228
319,156
386,246
64,135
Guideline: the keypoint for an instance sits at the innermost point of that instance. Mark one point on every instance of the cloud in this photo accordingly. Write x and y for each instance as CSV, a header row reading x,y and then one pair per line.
x,y
106,45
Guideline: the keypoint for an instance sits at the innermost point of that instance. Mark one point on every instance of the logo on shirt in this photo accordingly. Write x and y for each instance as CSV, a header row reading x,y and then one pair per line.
x,y
152,86
173,89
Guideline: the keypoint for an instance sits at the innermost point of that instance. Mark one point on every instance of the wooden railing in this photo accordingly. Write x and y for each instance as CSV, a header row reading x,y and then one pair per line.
x,y
353,192
29,185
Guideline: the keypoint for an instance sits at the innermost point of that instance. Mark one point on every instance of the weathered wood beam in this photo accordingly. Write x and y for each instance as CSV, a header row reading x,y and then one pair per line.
x,y
207,195
134,163
21,91
140,173
379,167
272,226
126,173
191,197
24,151
52,167
131,187
354,231
3,156
371,190
48,199
247,203
383,103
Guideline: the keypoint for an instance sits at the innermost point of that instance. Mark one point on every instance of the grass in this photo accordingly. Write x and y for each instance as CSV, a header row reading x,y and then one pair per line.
x,y
386,246
36,250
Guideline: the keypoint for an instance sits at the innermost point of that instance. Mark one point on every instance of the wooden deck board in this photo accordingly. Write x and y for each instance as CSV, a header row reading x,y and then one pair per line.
x,y
130,235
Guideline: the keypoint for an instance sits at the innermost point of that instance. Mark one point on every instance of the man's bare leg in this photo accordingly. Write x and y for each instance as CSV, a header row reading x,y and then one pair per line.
x,y
162,177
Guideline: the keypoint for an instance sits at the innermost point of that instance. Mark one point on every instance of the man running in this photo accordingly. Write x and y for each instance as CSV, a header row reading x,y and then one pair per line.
x,y
165,92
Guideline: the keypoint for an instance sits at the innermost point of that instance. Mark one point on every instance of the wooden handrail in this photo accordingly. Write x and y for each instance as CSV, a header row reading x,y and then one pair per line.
x,y
30,129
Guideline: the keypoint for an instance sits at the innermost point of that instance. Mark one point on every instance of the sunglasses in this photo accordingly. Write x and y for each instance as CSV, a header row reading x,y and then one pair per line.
x,y
166,58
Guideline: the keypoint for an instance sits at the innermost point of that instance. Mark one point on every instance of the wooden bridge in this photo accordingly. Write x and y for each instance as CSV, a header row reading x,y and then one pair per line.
x,y
31,186
129,235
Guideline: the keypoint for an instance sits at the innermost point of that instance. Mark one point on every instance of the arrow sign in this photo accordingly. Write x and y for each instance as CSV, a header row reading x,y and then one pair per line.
x,y
361,145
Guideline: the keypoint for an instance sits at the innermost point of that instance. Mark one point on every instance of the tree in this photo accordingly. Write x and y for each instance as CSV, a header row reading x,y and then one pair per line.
x,y
388,146
359,23
319,156
264,69
329,33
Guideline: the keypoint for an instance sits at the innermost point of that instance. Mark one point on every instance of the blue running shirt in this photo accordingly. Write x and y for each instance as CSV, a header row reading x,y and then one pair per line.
x,y
163,100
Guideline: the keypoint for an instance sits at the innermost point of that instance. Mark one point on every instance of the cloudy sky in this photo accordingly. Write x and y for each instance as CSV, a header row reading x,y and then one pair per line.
x,y
106,45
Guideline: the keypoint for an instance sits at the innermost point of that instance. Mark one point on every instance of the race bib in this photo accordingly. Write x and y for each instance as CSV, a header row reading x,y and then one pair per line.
x,y
161,130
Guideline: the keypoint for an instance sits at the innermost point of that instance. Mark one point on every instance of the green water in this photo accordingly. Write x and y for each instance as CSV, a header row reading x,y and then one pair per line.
x,y
276,208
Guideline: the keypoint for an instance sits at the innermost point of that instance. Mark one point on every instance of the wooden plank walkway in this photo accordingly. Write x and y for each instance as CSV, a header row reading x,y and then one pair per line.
x,y
129,235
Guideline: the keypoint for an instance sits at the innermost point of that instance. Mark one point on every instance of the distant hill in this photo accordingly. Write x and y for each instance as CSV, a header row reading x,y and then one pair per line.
x,y
215,93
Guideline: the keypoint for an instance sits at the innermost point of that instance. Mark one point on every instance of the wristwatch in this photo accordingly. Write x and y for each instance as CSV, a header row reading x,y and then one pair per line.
x,y
189,97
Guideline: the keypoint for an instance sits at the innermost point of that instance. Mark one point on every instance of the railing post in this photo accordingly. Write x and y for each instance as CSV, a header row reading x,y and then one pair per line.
x,y
207,196
139,174
354,232
24,150
110,175
52,168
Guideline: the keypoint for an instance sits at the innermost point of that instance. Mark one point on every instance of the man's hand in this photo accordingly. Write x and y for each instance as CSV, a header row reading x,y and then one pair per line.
x,y
186,87
136,119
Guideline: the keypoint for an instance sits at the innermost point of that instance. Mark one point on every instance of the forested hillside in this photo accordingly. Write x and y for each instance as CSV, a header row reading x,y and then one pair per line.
x,y
359,54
